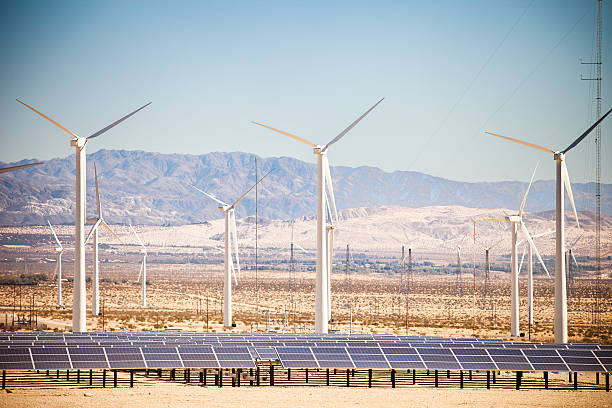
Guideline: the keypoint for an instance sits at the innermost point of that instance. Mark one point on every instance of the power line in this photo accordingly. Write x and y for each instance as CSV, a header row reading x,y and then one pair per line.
x,y
470,84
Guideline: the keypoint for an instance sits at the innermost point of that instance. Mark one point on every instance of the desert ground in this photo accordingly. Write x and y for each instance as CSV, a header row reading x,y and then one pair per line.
x,y
375,292
193,396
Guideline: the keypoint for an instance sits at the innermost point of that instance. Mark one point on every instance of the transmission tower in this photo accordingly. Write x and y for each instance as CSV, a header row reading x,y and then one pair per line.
x,y
409,281
597,79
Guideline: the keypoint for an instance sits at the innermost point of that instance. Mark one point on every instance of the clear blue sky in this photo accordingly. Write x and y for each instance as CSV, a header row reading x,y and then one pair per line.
x,y
310,68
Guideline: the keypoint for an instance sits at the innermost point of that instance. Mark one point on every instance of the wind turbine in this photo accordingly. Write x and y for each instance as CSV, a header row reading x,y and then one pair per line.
x,y
95,294
562,177
79,322
516,224
231,239
530,272
58,267
322,295
143,268
21,166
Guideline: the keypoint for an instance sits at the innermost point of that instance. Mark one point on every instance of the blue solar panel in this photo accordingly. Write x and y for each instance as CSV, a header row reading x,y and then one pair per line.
x,y
124,357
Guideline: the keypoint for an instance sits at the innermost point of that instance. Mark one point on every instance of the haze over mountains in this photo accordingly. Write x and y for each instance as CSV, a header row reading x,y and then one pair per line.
x,y
155,189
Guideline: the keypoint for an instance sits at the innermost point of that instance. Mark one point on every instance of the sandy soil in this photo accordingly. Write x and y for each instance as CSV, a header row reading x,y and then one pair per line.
x,y
193,396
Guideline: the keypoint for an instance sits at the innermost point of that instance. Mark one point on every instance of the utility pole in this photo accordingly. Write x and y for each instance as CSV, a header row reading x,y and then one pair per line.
x,y
597,79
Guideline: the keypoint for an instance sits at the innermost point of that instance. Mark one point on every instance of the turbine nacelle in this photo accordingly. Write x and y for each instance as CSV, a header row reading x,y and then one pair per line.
x,y
78,142
513,218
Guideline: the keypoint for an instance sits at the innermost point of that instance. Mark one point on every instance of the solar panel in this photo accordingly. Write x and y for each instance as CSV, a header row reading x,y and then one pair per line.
x,y
296,357
16,359
124,357
332,357
161,357
234,357
87,357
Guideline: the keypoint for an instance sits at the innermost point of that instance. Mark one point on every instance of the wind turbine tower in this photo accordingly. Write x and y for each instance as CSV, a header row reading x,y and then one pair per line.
x,y
322,293
231,243
95,293
516,225
79,322
562,177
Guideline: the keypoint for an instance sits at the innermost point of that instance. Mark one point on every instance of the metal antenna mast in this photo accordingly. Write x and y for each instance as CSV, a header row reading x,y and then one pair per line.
x,y
292,274
256,250
597,79
409,281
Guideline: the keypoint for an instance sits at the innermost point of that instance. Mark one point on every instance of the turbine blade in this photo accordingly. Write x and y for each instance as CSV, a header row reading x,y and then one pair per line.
x,y
54,234
91,231
21,166
299,247
233,270
586,132
235,240
330,191
137,237
352,125
210,196
528,188
249,190
97,192
308,142
522,258
574,258
568,187
535,249
105,225
49,119
328,209
140,272
115,123
535,146
495,220
55,270
331,249
543,234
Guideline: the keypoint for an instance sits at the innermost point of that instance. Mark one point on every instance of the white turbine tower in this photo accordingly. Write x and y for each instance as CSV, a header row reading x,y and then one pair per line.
x,y
322,295
79,322
22,166
562,177
58,267
517,224
530,250
95,294
231,240
143,268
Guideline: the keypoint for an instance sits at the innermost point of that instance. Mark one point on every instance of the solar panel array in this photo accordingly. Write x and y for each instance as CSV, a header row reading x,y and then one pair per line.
x,y
132,350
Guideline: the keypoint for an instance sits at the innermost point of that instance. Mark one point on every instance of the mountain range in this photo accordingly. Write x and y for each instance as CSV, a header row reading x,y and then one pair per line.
x,y
156,189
